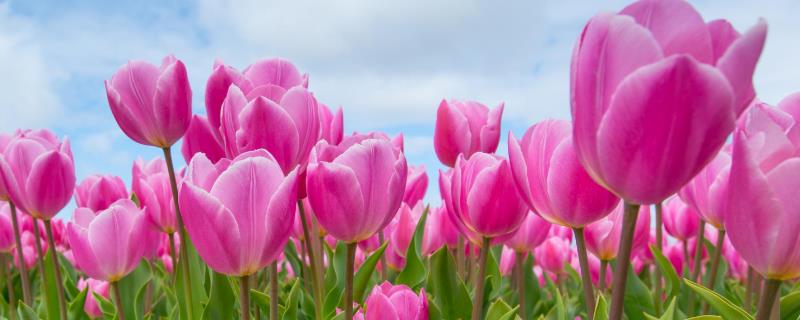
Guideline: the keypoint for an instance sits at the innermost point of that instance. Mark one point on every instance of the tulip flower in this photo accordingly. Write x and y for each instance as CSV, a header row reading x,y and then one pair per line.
x,y
403,226
355,189
331,126
152,187
603,237
680,220
465,127
152,105
19,255
552,255
439,231
202,137
761,218
93,287
657,65
416,185
97,192
399,302
7,242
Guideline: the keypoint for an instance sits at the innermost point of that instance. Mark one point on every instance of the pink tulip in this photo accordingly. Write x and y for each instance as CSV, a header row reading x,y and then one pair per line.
x,y
108,246
93,286
508,258
465,127
39,172
7,242
705,193
761,218
356,187
565,233
403,226
736,265
202,137
655,92
603,236
483,198
267,77
416,185
530,234
97,192
152,105
439,231
554,183
594,269
680,220
239,213
28,250
553,254
5,139
152,186
331,126
398,302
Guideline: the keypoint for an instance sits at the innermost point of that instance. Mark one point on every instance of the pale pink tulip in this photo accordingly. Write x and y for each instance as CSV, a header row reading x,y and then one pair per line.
x,y
153,189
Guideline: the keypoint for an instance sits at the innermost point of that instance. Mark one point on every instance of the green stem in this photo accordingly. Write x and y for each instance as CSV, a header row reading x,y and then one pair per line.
x,y
184,252
712,279
384,267
623,258
12,305
348,282
698,256
460,257
586,275
174,256
244,296
23,269
312,259
521,272
117,300
657,271
62,301
768,295
273,291
748,294
603,268
477,303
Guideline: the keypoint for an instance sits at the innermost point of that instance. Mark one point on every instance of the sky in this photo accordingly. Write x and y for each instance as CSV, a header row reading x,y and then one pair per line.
x,y
387,63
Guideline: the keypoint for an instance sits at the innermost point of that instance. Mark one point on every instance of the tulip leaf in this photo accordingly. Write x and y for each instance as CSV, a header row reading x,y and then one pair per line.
x,y
75,309
364,273
673,281
790,305
339,259
500,310
130,286
449,292
638,299
532,289
108,308
601,308
723,306
50,286
290,309
559,310
197,283
705,317
493,275
414,272
261,300
24,312
220,301
332,300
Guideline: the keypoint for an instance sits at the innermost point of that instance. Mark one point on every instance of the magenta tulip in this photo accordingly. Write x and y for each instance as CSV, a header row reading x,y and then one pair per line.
x,y
680,220
553,255
239,213
655,92
530,234
416,185
152,105
202,137
705,193
152,187
331,126
108,246
554,183
39,172
97,192
93,287
603,236
396,302
465,127
356,187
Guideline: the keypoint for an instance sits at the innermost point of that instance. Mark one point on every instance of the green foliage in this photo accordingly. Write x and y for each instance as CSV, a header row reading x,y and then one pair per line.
x,y
414,272
723,306
449,292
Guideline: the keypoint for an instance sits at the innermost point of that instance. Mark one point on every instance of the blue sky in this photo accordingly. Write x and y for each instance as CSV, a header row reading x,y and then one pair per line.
x,y
387,63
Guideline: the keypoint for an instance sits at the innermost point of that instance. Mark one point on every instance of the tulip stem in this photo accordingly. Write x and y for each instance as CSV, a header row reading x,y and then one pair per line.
x,y
316,283
477,301
184,252
698,256
586,276
273,291
712,279
62,301
384,266
602,281
623,260
657,271
117,300
173,254
23,269
748,294
348,282
460,257
521,272
768,295
244,296
12,301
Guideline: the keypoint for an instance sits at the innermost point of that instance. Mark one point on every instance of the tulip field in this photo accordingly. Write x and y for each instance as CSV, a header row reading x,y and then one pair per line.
x,y
673,192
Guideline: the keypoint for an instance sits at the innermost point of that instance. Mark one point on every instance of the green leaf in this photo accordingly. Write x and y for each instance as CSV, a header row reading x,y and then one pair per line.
x,y
50,286
726,309
197,279
559,310
449,292
220,302
24,312
75,309
261,300
108,308
500,310
790,305
365,273
601,308
705,317
332,300
533,293
673,280
414,272
669,314
130,286
493,275
339,260
638,299
292,302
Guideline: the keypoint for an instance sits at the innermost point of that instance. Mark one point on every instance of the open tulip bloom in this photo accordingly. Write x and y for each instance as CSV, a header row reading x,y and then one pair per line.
x,y
672,192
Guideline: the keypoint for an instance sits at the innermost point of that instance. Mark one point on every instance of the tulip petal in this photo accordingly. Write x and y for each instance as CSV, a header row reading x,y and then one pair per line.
x,y
335,195
82,251
490,133
201,138
51,182
302,107
212,228
172,103
281,139
277,71
665,123
279,219
722,35
493,202
105,237
677,27
233,105
785,187
381,308
739,63
217,86
452,134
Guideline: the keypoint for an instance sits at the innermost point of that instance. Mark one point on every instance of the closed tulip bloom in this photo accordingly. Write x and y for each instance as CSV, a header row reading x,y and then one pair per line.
x,y
239,214
244,118
705,193
6,230
508,258
530,234
202,137
553,255
762,216
397,302
97,287
483,198
152,187
439,231
152,105
416,185
603,236
356,187
39,172
403,227
549,174
331,125
680,220
465,127
108,246
97,192
655,92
